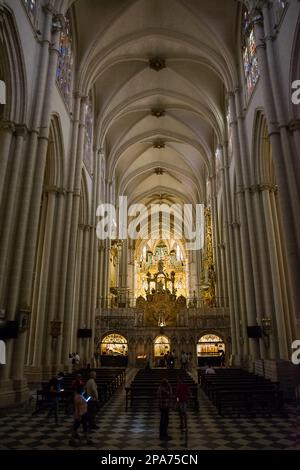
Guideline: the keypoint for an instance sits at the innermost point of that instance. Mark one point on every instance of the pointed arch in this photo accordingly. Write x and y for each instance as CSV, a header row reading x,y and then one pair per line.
x,y
12,69
84,213
54,171
263,167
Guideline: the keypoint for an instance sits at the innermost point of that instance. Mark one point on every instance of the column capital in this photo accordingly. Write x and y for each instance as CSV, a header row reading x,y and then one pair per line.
x,y
260,187
76,193
55,189
80,96
7,126
21,130
49,8
85,227
230,94
294,125
51,189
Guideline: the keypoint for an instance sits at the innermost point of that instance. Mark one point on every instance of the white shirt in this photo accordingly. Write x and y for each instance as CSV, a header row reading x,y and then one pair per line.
x,y
91,388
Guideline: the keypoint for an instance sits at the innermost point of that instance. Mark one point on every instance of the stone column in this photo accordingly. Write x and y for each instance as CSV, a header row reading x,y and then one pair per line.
x,y
8,213
78,116
24,275
55,274
267,288
83,314
250,269
285,177
292,163
38,179
42,328
279,310
66,311
6,133
230,264
283,274
74,346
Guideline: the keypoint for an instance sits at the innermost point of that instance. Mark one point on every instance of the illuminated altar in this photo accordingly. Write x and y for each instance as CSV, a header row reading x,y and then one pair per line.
x,y
173,261
161,305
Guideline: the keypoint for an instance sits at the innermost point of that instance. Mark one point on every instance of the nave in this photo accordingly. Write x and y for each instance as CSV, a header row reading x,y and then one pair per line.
x,y
137,429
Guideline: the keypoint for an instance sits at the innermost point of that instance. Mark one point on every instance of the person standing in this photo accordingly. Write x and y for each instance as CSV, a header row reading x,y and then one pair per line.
x,y
222,358
77,361
92,391
55,392
80,416
164,396
183,360
182,394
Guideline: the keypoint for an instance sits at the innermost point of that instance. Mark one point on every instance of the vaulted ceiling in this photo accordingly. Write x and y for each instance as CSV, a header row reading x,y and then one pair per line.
x,y
159,124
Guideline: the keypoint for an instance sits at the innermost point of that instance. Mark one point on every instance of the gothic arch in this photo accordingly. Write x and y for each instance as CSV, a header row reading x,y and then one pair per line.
x,y
84,208
45,251
263,167
54,171
13,70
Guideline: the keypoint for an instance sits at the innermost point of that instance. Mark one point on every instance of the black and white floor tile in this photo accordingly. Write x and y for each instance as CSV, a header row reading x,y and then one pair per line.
x,y
138,430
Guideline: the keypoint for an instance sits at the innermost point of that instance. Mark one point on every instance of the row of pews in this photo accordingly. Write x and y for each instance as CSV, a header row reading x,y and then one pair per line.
x,y
237,391
143,388
107,380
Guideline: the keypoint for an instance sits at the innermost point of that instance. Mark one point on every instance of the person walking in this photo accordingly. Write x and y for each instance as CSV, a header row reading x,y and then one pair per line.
x,y
92,391
55,393
81,416
164,396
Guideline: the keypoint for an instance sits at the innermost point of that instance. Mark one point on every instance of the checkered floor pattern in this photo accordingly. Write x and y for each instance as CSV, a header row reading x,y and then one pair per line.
x,y
138,430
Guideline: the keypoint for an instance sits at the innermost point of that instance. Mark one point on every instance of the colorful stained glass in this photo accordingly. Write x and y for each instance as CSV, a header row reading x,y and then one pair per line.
x,y
65,62
32,8
249,53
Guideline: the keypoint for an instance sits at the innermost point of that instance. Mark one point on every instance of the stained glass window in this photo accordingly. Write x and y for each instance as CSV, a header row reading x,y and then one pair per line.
x,y
249,53
32,8
65,61
88,143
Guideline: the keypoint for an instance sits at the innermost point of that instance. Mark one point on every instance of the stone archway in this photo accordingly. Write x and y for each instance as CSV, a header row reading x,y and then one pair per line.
x,y
162,345
209,349
114,350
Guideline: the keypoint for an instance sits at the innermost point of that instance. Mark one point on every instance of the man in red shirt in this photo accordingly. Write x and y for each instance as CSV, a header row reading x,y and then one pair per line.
x,y
182,395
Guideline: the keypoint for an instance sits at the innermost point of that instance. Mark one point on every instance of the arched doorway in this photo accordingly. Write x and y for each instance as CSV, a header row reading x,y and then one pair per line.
x,y
210,350
162,346
114,350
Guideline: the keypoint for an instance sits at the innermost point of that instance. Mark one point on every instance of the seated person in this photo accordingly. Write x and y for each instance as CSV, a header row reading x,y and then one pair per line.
x,y
210,370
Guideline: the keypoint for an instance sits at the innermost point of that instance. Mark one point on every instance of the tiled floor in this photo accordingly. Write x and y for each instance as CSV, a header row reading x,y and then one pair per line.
x,y
138,430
